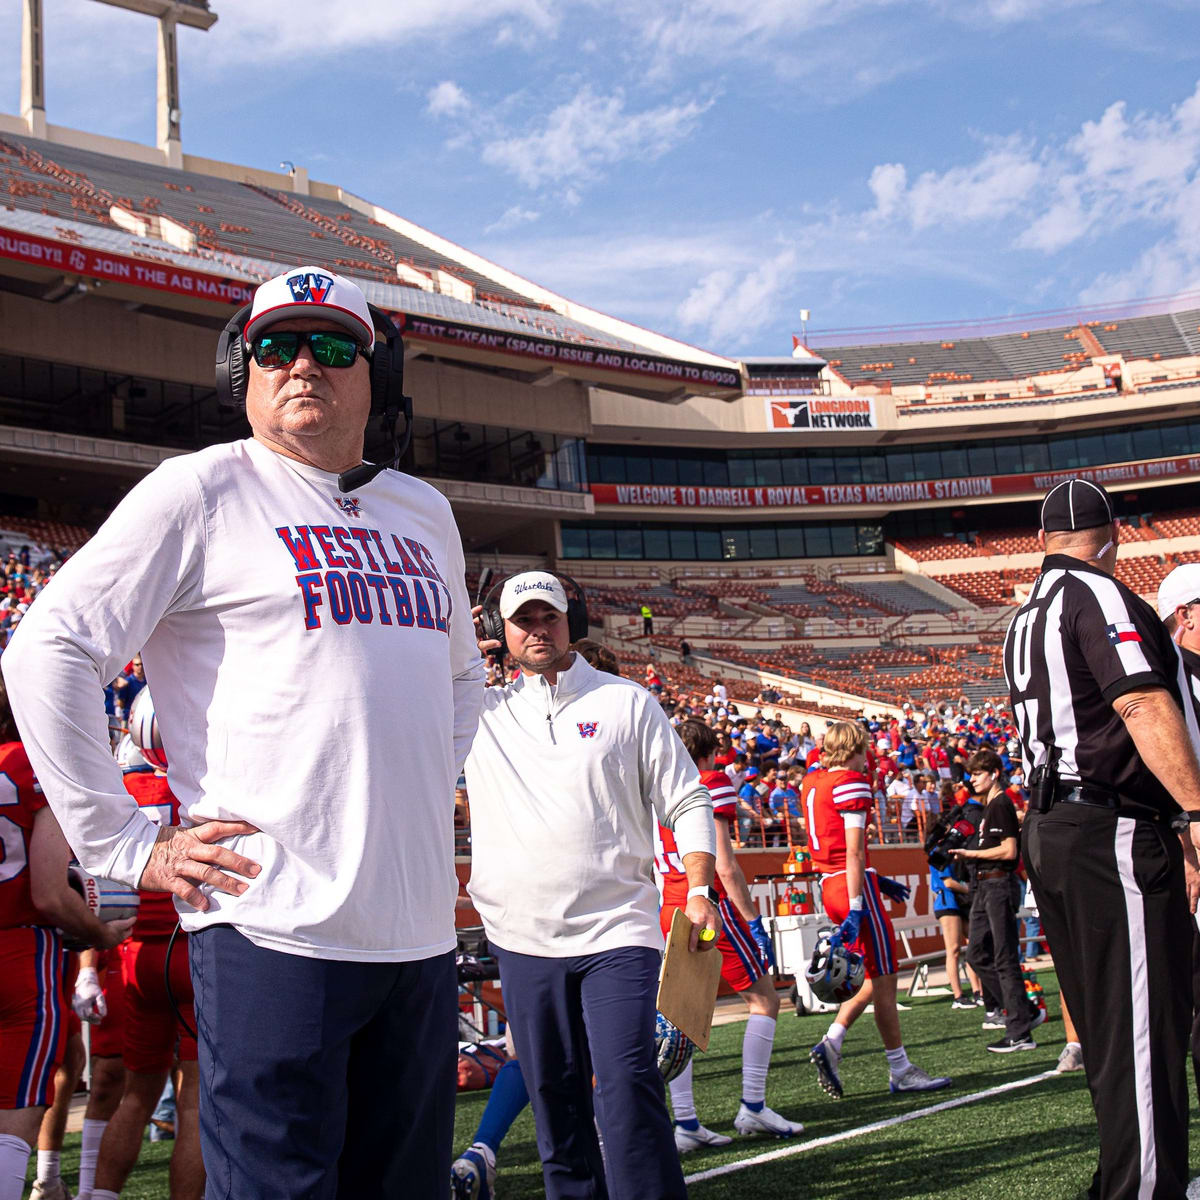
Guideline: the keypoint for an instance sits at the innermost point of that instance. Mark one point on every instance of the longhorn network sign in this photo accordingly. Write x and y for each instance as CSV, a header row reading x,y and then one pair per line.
x,y
821,412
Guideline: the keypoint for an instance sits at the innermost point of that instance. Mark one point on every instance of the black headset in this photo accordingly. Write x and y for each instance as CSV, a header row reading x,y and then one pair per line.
x,y
387,386
491,623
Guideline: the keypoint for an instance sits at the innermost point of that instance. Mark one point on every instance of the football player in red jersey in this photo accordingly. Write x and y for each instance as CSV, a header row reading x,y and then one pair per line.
x,y
746,958
152,1032
36,906
838,803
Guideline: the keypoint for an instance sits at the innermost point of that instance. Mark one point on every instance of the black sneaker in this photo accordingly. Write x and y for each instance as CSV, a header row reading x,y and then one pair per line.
x,y
1006,1045
962,1002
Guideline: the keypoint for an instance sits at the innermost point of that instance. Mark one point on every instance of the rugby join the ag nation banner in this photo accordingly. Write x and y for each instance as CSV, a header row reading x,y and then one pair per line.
x,y
821,412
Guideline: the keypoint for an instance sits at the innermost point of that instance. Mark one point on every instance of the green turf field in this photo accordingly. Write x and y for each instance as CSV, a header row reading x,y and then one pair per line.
x,y
1038,1141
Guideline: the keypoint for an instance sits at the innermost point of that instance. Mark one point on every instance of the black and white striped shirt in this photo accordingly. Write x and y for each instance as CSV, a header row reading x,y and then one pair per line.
x,y
1081,640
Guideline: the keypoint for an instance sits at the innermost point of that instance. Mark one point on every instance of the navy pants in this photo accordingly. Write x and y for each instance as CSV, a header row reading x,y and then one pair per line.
x,y
570,1018
323,1079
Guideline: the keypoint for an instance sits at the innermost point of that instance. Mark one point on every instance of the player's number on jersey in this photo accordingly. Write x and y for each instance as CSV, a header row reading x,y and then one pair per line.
x,y
12,840
810,797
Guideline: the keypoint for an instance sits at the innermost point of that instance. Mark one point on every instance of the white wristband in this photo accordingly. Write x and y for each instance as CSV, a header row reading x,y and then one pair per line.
x,y
856,903
701,889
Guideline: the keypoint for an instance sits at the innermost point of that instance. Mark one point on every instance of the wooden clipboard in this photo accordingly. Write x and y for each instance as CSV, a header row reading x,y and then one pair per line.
x,y
687,985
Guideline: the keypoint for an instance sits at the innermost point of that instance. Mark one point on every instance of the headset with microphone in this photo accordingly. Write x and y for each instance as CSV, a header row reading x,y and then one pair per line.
x,y
491,623
387,387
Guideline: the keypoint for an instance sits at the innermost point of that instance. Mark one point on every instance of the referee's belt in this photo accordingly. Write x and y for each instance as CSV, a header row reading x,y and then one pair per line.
x,y
1091,797
995,873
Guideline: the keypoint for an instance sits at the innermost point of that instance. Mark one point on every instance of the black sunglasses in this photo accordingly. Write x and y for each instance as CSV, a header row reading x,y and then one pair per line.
x,y
329,349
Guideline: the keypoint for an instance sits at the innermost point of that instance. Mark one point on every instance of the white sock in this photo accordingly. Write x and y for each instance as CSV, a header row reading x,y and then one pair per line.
x,y
683,1102
897,1060
47,1166
89,1152
14,1161
835,1036
1072,1046
756,1056
98,1194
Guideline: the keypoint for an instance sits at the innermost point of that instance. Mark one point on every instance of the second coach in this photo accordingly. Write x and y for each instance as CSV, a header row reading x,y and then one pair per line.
x,y
570,772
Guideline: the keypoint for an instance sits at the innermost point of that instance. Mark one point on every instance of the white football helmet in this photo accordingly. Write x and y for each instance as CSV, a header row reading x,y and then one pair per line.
x,y
143,729
674,1048
108,900
835,973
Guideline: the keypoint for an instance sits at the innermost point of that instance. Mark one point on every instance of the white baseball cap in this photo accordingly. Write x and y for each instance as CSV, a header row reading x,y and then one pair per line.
x,y
1181,586
311,292
532,585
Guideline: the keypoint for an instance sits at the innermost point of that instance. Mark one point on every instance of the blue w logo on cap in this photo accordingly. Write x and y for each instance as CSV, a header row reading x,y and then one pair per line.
x,y
309,289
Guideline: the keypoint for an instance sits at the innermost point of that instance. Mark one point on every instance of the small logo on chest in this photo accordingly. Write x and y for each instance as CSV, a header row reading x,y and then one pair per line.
x,y
350,505
588,729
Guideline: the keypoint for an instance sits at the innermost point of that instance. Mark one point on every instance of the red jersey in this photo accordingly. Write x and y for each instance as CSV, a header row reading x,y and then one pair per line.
x,y
20,800
827,796
667,859
813,757
156,911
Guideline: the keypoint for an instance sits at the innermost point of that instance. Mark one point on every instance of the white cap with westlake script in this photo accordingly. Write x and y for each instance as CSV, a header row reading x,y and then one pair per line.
x,y
532,585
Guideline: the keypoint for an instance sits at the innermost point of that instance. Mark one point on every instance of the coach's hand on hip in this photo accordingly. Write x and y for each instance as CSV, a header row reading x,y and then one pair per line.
x,y
183,858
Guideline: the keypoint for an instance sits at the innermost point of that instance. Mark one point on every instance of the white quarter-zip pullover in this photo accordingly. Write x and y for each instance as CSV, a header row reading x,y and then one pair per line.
x,y
567,784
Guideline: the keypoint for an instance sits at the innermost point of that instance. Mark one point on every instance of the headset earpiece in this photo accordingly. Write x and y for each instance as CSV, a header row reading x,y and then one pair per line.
x,y
231,367
387,368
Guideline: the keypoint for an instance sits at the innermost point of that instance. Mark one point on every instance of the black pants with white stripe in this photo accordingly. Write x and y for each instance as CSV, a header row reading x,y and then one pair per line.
x,y
1113,904
992,950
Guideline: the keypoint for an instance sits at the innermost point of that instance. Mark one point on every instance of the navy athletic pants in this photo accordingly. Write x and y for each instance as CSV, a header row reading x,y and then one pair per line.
x,y
323,1079
570,1018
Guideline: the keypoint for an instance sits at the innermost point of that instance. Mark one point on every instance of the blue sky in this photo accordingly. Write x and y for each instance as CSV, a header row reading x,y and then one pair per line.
x,y
707,168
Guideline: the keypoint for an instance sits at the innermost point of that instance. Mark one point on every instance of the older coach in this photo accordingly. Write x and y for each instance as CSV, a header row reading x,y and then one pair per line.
x,y
570,771
317,683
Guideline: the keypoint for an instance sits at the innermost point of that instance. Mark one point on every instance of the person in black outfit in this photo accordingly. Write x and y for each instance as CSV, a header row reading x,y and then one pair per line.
x,y
1099,695
995,898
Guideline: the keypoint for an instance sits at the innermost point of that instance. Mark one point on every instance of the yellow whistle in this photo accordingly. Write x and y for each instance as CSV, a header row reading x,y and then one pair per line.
x,y
708,935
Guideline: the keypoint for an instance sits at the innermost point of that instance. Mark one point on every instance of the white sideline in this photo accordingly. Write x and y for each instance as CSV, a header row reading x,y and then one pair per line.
x,y
875,1126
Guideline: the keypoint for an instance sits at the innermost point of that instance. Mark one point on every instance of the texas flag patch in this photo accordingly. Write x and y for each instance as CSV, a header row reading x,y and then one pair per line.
x,y
588,729
1122,631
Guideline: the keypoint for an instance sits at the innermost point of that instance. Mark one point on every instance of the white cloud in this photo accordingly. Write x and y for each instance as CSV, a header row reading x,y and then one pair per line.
x,y
997,185
729,309
591,131
511,218
446,99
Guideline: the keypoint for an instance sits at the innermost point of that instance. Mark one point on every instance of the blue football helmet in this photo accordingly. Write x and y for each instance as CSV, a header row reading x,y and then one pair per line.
x,y
674,1048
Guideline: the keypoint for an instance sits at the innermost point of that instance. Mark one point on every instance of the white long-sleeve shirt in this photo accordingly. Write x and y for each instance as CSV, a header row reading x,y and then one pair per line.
x,y
314,671
567,783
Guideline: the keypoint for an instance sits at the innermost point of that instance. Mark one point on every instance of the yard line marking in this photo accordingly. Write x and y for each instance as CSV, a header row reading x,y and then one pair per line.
x,y
874,1127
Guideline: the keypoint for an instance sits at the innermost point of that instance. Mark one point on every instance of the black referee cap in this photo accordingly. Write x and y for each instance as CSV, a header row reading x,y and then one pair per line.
x,y
1076,504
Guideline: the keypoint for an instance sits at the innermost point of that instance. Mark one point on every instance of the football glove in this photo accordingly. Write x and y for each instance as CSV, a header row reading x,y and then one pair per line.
x,y
848,930
88,1001
765,949
893,889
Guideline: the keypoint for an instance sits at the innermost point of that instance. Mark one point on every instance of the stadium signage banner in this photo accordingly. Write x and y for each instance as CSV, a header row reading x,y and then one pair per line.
x,y
566,353
917,492
821,412
100,264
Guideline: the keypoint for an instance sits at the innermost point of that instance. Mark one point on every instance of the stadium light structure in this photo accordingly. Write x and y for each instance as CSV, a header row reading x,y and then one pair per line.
x,y
169,13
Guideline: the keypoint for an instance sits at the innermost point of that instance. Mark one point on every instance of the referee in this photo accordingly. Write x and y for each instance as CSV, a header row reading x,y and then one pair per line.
x,y
1097,691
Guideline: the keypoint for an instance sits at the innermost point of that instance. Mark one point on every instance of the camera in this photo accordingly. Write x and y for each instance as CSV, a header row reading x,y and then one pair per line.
x,y
951,831
939,856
